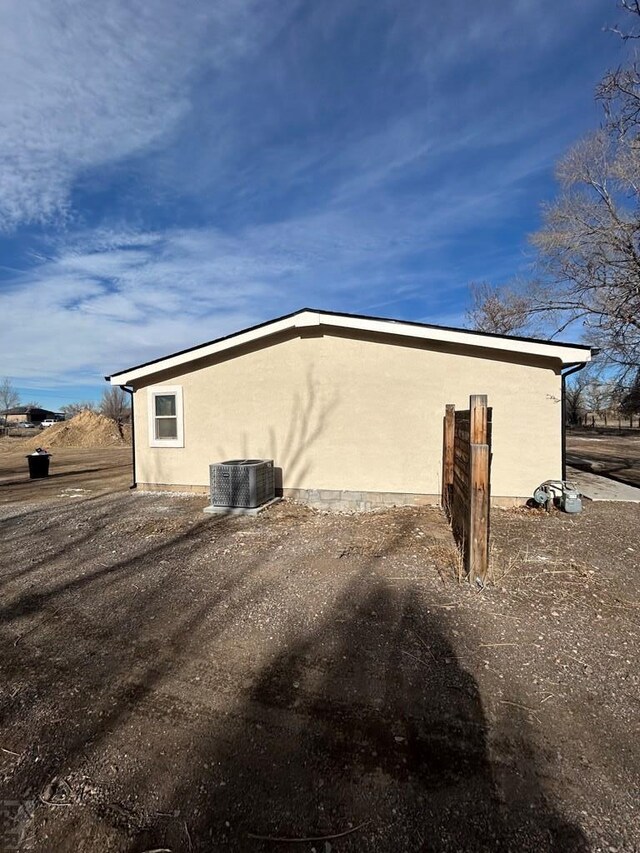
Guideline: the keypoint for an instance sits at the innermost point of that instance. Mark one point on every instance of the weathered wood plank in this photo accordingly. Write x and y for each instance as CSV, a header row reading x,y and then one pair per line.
x,y
478,418
466,478
448,456
479,513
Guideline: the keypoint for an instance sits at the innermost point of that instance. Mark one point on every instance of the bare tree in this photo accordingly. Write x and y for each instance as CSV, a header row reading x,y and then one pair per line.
x,y
575,400
599,397
588,249
588,256
502,311
630,403
9,397
72,409
619,90
115,405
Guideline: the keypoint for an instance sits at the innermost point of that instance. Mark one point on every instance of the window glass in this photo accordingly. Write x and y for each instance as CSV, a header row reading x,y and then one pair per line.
x,y
165,405
165,416
166,427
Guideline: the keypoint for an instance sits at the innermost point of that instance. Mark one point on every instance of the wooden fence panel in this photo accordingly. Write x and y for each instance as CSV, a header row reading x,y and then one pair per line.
x,y
461,492
447,456
466,481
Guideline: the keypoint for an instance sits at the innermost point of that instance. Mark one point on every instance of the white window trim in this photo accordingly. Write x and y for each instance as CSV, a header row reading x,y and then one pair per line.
x,y
153,392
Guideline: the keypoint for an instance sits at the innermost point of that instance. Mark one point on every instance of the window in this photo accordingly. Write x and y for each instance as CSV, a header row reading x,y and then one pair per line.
x,y
165,416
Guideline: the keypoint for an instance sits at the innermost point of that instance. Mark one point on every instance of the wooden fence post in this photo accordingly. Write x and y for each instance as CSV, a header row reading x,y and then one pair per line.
x,y
449,426
478,530
479,513
478,419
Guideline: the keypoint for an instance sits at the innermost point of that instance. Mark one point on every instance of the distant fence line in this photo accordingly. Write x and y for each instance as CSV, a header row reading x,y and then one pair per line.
x,y
608,421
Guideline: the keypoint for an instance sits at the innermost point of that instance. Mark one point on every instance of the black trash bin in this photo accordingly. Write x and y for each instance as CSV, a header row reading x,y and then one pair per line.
x,y
38,464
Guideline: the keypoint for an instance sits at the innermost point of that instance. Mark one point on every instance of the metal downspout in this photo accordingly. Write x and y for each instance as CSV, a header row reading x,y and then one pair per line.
x,y
574,369
134,484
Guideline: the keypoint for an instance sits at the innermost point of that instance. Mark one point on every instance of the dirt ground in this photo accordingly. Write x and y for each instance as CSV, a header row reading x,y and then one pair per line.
x,y
615,456
179,682
73,471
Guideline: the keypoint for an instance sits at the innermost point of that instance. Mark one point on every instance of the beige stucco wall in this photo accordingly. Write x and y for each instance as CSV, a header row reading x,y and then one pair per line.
x,y
359,414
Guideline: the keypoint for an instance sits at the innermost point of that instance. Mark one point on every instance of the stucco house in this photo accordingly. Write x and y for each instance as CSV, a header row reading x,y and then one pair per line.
x,y
350,408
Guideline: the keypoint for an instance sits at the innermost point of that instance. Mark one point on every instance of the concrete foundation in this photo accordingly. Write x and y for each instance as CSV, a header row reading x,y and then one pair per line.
x,y
342,500
239,510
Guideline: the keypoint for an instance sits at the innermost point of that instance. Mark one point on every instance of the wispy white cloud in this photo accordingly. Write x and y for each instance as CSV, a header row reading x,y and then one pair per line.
x,y
356,156
87,83
90,84
101,300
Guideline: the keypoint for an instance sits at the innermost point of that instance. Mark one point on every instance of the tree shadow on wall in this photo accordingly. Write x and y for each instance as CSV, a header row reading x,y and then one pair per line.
x,y
291,448
368,726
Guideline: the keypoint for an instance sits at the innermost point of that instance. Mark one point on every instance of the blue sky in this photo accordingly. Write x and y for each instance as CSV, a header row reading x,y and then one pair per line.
x,y
176,170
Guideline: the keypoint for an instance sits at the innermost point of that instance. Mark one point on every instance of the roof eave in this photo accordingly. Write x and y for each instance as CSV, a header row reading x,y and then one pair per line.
x,y
562,352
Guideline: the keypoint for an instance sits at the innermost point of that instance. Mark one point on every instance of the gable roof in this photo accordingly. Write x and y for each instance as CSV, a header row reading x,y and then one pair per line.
x,y
566,353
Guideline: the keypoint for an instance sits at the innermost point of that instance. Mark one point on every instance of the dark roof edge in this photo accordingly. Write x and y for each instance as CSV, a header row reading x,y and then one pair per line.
x,y
207,343
354,317
443,328
24,410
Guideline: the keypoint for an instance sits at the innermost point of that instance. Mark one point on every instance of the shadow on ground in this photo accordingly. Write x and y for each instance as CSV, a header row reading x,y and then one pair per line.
x,y
368,723
192,701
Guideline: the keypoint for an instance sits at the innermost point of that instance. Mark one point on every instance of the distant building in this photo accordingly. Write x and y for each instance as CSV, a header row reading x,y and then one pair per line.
x,y
30,414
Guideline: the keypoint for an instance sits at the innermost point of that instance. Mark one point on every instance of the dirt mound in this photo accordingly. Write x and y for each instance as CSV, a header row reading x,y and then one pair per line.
x,y
87,429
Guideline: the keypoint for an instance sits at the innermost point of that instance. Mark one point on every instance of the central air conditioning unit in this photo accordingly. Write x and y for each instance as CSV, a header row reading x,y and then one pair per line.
x,y
246,483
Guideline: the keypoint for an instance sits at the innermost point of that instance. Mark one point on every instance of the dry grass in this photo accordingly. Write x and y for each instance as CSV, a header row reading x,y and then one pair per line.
x,y
448,561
